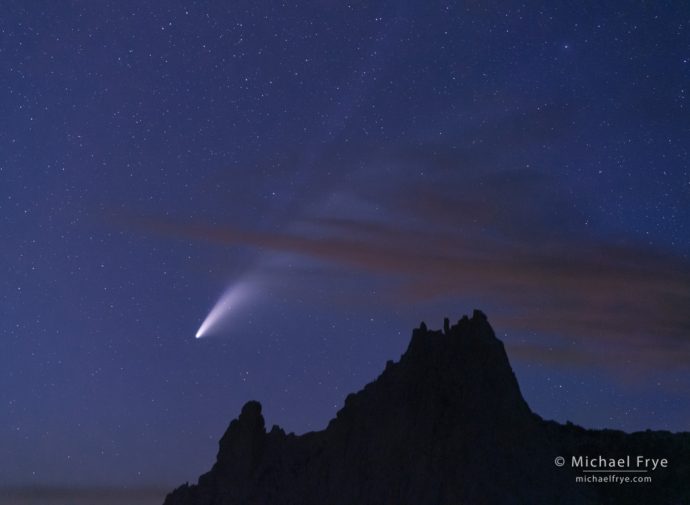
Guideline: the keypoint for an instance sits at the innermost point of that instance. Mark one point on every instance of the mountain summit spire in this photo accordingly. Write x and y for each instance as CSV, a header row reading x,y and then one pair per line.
x,y
445,425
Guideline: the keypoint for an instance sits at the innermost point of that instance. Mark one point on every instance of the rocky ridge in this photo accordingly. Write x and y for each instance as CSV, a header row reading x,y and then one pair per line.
x,y
445,425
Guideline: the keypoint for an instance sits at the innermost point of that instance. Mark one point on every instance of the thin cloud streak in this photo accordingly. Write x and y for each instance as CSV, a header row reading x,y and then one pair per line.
x,y
616,298
517,238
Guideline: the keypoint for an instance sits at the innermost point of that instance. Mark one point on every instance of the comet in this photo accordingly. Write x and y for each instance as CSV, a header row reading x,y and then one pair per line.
x,y
235,295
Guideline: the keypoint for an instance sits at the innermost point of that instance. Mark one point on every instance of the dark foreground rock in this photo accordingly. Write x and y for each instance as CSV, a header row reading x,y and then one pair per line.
x,y
446,425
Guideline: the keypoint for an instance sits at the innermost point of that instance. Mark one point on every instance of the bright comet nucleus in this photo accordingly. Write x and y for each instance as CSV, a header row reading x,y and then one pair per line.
x,y
230,299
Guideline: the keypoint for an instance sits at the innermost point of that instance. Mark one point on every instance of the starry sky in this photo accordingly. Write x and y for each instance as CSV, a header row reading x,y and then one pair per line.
x,y
333,173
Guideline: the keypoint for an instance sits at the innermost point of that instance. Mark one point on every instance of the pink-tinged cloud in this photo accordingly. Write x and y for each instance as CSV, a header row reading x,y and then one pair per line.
x,y
613,298
510,238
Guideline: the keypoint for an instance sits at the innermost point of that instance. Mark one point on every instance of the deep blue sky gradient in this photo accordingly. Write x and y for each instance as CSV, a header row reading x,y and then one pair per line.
x,y
361,167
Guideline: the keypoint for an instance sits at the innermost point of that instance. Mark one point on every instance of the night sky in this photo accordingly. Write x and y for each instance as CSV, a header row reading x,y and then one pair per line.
x,y
334,173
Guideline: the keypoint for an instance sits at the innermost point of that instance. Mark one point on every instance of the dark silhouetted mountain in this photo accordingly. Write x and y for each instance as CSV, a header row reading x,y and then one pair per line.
x,y
446,425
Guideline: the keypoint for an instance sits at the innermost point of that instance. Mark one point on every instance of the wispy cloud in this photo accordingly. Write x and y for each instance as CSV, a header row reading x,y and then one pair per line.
x,y
514,237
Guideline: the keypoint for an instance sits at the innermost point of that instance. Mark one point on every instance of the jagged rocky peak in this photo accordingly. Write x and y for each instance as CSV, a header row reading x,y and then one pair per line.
x,y
464,363
469,338
446,424
243,441
460,371
478,325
